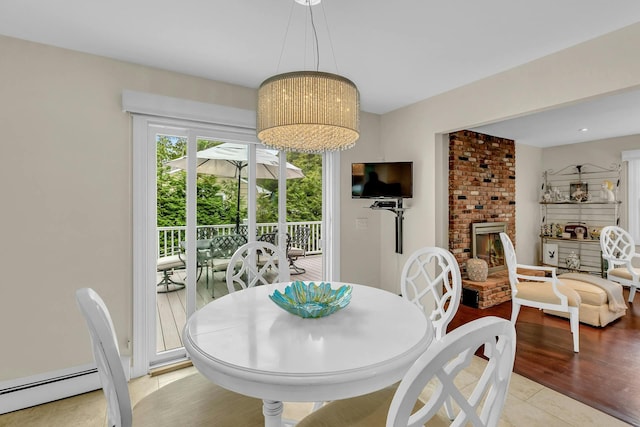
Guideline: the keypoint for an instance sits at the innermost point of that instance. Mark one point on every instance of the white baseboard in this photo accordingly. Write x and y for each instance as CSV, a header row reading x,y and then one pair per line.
x,y
25,392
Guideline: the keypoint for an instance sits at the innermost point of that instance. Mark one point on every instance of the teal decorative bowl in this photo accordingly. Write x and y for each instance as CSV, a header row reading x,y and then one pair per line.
x,y
311,300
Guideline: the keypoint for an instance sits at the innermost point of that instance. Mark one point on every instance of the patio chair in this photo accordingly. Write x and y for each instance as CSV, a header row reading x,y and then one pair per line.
x,y
256,263
222,248
619,250
544,293
297,245
167,265
431,381
189,401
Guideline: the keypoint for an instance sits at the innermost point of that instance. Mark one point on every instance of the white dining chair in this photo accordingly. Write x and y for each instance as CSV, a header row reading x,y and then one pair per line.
x,y
431,280
192,400
257,263
542,292
619,250
432,380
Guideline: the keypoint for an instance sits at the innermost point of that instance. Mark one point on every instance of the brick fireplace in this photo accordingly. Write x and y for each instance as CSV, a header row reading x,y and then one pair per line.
x,y
482,187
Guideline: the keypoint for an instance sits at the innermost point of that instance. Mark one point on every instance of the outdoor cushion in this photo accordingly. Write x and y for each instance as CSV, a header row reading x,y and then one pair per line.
x,y
169,262
295,252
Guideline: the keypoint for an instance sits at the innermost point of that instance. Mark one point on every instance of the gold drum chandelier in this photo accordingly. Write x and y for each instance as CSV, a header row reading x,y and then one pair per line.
x,y
308,111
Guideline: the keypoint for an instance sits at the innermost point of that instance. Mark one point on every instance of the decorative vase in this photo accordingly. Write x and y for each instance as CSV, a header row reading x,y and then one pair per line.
x,y
573,261
477,269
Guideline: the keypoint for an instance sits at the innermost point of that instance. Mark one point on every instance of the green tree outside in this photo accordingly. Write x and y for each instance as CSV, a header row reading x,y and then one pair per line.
x,y
217,197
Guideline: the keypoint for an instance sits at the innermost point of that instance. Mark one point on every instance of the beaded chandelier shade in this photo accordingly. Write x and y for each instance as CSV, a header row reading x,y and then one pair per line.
x,y
308,111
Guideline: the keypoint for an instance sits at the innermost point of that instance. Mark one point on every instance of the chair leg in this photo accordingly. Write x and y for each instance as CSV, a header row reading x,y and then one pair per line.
x,y
632,293
448,408
167,280
296,269
515,310
317,405
574,319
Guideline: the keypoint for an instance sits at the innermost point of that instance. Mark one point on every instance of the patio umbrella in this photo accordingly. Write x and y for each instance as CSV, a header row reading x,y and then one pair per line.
x,y
228,160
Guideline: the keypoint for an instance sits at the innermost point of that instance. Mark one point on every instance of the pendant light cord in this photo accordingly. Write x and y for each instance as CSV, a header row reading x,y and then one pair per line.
x,y
315,35
286,34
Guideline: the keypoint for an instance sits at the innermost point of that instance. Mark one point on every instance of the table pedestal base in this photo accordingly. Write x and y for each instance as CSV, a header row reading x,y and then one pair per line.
x,y
272,410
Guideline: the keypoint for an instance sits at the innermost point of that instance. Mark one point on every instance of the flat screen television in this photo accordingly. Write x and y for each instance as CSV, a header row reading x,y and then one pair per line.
x,y
382,180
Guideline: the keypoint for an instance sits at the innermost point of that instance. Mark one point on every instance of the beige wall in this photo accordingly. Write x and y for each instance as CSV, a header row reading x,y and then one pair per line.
x,y
67,171
360,227
66,195
528,179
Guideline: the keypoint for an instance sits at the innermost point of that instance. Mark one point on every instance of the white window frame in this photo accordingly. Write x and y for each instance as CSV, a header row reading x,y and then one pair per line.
x,y
237,124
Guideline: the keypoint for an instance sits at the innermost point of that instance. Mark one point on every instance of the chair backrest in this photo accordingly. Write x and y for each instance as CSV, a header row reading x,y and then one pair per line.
x,y
107,357
617,245
433,273
511,261
441,364
271,237
300,239
257,263
225,245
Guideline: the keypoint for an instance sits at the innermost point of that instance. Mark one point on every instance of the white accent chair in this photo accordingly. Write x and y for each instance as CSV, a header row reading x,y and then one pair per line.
x,y
544,293
431,381
619,249
192,400
256,263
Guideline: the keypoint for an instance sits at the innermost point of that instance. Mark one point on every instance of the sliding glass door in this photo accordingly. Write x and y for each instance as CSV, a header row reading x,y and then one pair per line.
x,y
210,191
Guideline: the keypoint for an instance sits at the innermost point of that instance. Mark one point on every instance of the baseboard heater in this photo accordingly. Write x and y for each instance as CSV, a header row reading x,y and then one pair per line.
x,y
32,391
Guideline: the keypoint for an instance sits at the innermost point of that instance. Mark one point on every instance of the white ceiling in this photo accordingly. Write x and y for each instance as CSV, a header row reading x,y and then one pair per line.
x,y
608,117
397,52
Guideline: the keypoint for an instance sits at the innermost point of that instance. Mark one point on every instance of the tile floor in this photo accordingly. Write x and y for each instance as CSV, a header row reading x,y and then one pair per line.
x,y
529,404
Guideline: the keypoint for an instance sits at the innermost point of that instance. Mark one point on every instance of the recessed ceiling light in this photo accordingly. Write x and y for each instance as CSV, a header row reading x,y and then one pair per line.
x,y
583,130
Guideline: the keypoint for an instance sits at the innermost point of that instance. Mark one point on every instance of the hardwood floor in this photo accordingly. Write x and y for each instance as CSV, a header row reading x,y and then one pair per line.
x,y
603,375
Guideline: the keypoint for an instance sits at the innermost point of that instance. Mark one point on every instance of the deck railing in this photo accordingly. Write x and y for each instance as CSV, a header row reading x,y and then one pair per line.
x,y
169,238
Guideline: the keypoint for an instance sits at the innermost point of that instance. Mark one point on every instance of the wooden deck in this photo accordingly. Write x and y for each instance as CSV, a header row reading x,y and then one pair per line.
x,y
171,312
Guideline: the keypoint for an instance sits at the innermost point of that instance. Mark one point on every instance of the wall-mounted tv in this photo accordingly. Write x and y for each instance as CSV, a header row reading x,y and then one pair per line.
x,y
381,180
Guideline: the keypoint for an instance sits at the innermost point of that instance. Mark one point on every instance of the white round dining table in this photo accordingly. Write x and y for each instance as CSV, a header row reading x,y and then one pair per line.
x,y
246,343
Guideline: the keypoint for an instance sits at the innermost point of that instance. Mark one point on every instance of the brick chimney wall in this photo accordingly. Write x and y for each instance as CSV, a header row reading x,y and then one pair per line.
x,y
482,187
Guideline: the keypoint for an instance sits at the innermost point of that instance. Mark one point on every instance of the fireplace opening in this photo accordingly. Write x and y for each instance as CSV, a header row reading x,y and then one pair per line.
x,y
486,244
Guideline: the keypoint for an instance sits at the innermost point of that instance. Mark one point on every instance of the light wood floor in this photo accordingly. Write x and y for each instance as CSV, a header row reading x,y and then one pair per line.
x,y
170,314
529,404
